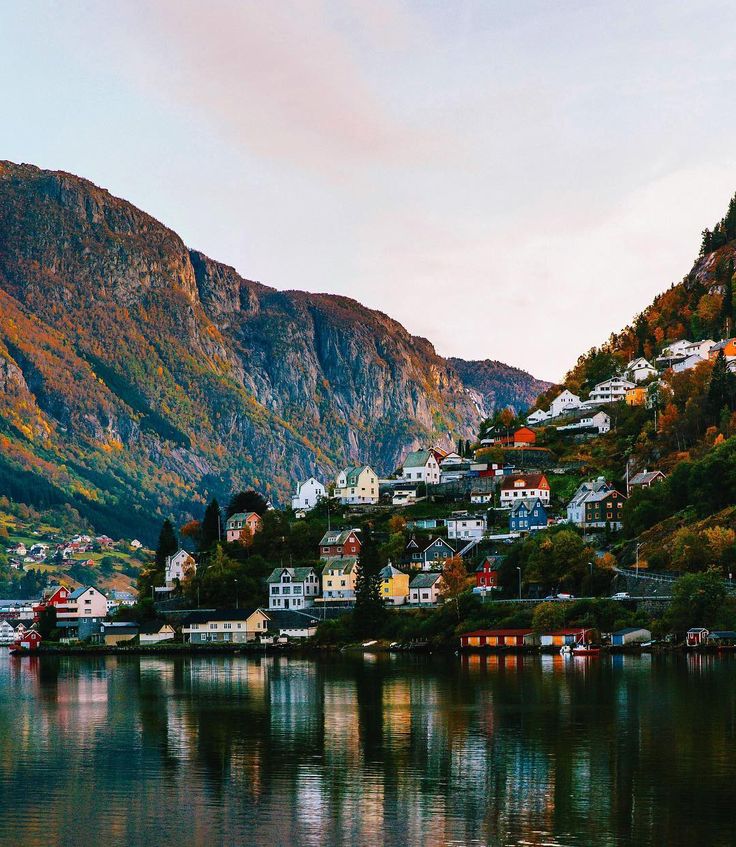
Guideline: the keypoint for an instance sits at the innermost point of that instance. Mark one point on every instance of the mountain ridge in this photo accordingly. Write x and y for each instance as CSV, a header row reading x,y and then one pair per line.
x,y
139,377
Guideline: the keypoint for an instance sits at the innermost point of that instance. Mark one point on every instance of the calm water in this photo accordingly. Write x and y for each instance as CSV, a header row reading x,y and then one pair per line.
x,y
390,751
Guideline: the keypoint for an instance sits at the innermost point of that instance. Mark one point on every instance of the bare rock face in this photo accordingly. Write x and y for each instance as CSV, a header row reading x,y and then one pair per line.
x,y
140,378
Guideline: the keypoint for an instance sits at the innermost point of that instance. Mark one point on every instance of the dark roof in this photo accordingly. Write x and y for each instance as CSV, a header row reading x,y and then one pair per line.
x,y
289,619
152,627
425,580
218,615
126,628
498,632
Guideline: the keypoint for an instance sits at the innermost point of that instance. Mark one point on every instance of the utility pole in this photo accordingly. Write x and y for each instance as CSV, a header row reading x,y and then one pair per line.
x,y
519,569
236,594
637,560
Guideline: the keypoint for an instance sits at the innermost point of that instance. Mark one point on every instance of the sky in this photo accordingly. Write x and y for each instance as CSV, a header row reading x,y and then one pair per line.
x,y
513,181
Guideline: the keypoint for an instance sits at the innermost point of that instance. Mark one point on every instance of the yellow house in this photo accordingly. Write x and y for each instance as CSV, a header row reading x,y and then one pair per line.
x,y
338,579
636,396
394,585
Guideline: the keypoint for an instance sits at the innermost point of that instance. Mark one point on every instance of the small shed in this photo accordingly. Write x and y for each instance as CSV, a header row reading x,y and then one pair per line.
x,y
152,632
630,635
696,636
30,639
118,632
567,637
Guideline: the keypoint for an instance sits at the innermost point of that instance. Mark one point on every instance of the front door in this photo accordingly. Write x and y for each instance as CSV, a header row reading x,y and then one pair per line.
x,y
286,604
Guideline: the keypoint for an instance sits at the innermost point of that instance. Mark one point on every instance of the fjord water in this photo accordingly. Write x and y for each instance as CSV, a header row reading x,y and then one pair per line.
x,y
388,750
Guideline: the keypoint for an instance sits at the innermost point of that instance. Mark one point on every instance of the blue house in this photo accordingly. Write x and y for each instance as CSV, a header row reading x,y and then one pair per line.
x,y
436,552
527,516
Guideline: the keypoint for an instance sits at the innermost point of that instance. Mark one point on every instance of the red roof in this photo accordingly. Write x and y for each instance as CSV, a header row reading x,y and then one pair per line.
x,y
574,631
531,480
497,632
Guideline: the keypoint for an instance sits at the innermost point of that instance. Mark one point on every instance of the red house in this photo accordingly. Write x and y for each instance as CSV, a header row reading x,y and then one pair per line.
x,y
57,596
341,542
486,574
30,639
499,638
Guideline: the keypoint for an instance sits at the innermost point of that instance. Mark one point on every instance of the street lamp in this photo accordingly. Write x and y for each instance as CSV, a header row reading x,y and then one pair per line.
x,y
637,559
519,569
236,594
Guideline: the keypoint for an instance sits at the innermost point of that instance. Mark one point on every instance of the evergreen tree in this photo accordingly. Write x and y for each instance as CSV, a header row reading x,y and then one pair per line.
x,y
727,307
211,530
247,501
167,544
468,451
369,610
721,389
706,245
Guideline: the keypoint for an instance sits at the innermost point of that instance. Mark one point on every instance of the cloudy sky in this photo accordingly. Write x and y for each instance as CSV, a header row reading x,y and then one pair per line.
x,y
512,180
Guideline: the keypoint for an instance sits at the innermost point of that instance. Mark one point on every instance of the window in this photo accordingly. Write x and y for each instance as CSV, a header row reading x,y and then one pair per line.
x,y
275,589
227,626
213,626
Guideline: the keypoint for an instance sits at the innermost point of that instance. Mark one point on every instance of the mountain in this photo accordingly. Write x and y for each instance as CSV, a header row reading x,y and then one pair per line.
x,y
499,385
138,378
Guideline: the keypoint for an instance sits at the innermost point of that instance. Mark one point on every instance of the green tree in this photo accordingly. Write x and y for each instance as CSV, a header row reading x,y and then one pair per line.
x,y
167,545
697,600
721,389
548,617
47,621
247,501
369,611
211,529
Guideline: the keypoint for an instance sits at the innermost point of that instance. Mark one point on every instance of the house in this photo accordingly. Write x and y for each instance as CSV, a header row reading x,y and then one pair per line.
x,y
524,486
338,579
7,632
605,508
292,588
527,516
224,625
645,479
478,497
537,417
87,602
576,506
674,352
394,586
499,638
640,370
426,523
357,485
154,632
700,348
630,635
339,542
596,421
404,497
281,624
308,494
242,526
464,526
721,638
436,552
56,596
425,588
29,640
570,637
117,632
609,391
689,363
413,555
522,437
178,567
697,636
636,396
566,401
421,466
486,574
451,459
727,347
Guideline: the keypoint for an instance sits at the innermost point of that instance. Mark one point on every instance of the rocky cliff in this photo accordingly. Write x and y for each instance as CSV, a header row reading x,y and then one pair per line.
x,y
139,378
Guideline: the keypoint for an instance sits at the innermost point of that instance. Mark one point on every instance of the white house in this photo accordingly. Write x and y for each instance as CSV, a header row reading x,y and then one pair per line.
x,y
85,602
538,417
465,526
308,494
700,348
404,497
640,370
528,486
153,632
179,566
598,420
357,485
566,401
576,506
425,588
687,364
610,391
292,588
7,632
480,497
421,466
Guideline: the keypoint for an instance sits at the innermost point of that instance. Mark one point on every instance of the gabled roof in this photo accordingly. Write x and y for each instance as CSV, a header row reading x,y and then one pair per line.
x,y
425,580
343,564
721,345
628,629
337,537
296,574
75,595
436,542
604,495
417,459
531,480
242,516
390,571
289,619
528,503
152,627
353,472
494,561
218,615
645,477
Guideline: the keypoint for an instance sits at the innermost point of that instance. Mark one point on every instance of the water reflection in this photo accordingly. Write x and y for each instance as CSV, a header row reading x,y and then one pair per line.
x,y
487,750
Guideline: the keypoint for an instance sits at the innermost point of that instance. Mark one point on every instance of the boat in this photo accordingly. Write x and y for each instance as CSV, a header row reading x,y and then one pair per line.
x,y
585,650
